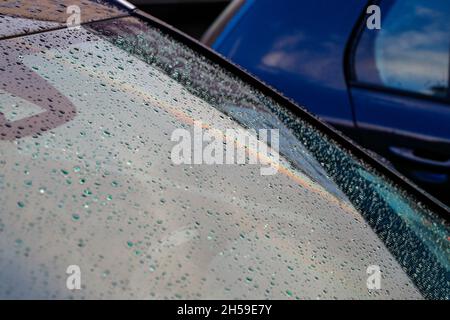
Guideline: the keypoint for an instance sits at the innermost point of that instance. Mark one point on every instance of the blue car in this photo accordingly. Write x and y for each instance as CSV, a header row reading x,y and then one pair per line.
x,y
387,88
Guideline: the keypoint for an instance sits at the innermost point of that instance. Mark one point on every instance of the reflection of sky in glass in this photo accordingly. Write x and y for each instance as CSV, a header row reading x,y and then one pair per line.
x,y
412,52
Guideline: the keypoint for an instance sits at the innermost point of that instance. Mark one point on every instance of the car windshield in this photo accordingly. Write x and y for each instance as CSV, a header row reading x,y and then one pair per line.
x,y
88,179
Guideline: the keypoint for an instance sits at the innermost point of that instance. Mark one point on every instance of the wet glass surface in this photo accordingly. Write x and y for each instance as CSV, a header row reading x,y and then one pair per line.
x,y
86,179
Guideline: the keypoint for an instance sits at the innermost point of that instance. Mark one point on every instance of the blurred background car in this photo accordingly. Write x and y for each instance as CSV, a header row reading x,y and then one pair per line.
x,y
387,89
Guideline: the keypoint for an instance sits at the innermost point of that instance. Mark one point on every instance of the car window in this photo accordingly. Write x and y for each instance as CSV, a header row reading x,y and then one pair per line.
x,y
87,179
411,51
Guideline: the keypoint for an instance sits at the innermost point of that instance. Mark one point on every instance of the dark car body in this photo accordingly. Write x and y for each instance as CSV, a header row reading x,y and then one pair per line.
x,y
370,84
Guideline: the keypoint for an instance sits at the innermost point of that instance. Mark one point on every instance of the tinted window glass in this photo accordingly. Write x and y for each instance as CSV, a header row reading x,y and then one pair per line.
x,y
411,51
86,179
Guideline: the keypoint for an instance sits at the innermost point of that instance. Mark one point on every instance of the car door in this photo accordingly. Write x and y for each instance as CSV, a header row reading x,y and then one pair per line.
x,y
400,89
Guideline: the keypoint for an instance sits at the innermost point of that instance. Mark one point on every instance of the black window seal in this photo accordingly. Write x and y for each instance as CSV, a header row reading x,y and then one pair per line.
x,y
399,92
